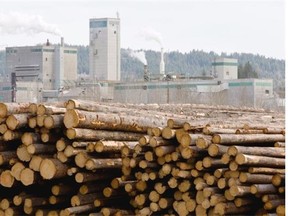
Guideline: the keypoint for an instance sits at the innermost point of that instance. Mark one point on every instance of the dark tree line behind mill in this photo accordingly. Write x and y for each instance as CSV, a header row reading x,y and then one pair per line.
x,y
191,64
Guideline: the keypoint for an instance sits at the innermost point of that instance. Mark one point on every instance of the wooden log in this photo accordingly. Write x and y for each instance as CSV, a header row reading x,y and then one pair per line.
x,y
77,209
243,159
267,151
114,211
82,177
17,121
212,162
93,135
107,163
112,146
79,199
212,130
237,190
157,131
191,139
279,144
243,139
23,154
159,141
273,204
53,121
40,120
168,133
255,178
163,150
217,198
6,156
16,170
12,135
267,197
62,143
62,189
3,128
230,208
49,110
280,210
273,131
70,151
29,138
13,108
29,177
265,170
41,148
6,179
52,168
216,150
278,180
32,122
263,189
121,121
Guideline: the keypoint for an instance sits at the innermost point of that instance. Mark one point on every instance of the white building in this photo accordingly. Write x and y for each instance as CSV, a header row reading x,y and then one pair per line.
x,y
104,49
40,69
225,68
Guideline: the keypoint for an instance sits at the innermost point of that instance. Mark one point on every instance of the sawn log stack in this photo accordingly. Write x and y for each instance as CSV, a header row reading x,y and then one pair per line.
x,y
86,158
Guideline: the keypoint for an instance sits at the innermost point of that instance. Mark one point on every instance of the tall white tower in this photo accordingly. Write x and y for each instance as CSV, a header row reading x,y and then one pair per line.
x,y
104,49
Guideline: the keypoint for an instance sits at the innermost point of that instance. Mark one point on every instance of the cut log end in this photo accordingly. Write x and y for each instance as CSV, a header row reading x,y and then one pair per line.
x,y
47,169
71,119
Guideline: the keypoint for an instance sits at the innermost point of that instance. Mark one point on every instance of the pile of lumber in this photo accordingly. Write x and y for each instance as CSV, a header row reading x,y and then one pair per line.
x,y
82,157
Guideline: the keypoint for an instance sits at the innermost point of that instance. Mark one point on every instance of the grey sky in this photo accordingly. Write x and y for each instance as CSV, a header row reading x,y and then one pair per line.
x,y
221,26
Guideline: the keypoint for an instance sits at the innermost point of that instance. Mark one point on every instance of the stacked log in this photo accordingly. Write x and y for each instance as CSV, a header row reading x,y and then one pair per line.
x,y
83,157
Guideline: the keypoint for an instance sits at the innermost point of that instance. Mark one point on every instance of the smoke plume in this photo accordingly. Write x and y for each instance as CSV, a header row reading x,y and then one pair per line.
x,y
151,35
140,55
18,23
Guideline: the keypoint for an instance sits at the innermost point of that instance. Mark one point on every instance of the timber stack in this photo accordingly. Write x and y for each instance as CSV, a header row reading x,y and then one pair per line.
x,y
82,157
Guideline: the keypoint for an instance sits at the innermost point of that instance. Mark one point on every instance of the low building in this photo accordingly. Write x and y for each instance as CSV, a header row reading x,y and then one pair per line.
x,y
35,70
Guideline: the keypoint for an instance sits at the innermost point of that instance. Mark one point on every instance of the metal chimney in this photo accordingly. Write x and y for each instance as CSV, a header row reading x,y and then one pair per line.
x,y
62,41
162,63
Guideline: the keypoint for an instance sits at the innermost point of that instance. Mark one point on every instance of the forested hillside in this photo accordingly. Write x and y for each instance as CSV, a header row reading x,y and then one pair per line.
x,y
193,63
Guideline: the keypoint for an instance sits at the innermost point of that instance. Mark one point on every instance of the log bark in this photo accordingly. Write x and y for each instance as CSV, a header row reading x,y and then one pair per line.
x,y
13,108
93,135
266,170
267,151
53,121
107,163
6,156
263,189
243,159
52,168
243,139
29,138
111,121
49,110
17,121
255,178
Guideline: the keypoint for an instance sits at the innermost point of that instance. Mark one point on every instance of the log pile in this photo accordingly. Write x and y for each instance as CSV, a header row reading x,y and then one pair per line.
x,y
81,157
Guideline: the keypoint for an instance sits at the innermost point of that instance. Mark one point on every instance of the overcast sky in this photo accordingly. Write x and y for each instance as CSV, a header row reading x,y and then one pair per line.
x,y
211,25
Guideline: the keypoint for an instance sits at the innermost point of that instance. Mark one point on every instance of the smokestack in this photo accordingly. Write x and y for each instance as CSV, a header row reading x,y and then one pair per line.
x,y
146,73
62,41
162,63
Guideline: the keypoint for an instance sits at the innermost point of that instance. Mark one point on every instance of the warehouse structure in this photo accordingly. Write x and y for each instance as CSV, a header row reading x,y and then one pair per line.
x,y
38,72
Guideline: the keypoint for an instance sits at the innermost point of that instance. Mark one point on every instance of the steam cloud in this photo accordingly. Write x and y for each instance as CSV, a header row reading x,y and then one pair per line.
x,y
151,35
140,55
17,23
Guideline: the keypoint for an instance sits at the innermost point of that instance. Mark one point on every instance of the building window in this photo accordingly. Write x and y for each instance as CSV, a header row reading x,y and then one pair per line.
x,y
114,32
46,59
266,91
227,73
